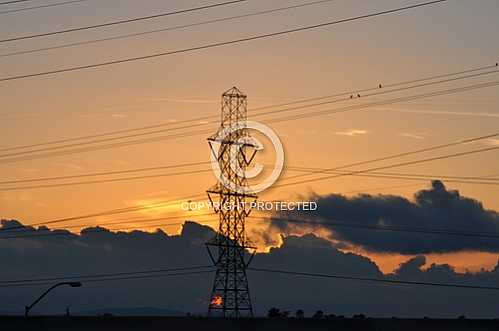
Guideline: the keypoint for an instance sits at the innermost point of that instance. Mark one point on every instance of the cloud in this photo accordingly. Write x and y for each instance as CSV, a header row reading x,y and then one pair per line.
x,y
412,135
441,112
434,208
352,132
174,100
111,252
491,142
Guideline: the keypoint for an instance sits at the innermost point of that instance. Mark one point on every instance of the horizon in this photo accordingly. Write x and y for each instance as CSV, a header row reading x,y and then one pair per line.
x,y
370,141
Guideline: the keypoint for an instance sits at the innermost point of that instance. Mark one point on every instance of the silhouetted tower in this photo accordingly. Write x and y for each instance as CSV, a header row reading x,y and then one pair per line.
x,y
230,296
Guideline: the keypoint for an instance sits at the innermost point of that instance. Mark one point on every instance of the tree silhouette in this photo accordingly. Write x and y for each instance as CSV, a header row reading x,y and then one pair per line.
x,y
318,314
300,313
274,313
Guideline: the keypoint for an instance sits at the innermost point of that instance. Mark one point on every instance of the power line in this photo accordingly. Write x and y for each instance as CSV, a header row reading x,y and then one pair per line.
x,y
95,174
442,157
127,221
219,44
448,232
98,141
105,213
136,19
424,176
109,180
379,188
13,1
53,142
461,181
130,209
417,151
383,92
391,228
274,120
108,146
120,278
101,275
379,280
388,102
63,3
95,229
172,28
384,86
449,179
405,176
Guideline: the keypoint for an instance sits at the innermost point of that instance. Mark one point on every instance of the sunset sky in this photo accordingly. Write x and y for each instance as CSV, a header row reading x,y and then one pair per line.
x,y
449,37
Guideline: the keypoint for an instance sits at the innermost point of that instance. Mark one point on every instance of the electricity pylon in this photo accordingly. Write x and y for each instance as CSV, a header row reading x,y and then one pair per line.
x,y
230,296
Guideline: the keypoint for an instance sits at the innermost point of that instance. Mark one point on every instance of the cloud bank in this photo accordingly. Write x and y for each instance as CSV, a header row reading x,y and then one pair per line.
x,y
110,252
435,208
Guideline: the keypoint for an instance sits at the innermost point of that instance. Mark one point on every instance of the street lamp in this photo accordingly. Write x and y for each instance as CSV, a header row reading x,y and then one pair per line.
x,y
71,284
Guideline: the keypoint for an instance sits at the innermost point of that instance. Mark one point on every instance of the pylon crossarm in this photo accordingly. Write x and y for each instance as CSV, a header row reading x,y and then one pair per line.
x,y
230,246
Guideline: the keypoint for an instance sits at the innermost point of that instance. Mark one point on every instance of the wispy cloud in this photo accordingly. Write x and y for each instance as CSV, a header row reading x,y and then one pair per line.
x,y
491,142
71,166
352,132
118,115
411,135
173,100
442,112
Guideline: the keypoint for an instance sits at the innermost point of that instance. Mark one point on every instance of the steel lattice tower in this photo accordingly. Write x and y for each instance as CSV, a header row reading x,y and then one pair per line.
x,y
230,296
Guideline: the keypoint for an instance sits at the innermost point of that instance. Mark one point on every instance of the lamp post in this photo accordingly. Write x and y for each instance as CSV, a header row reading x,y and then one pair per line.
x,y
71,284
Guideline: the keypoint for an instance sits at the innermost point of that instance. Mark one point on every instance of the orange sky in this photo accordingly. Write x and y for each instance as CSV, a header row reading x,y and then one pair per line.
x,y
310,64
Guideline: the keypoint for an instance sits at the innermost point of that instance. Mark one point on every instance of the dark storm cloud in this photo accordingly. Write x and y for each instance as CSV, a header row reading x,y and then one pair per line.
x,y
435,208
110,252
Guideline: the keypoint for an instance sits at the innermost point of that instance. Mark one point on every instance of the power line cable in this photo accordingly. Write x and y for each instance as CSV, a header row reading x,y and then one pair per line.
x,y
99,141
130,20
449,179
130,209
120,278
96,229
13,1
107,146
29,230
272,120
391,228
95,174
348,93
105,213
172,28
110,180
398,155
476,69
382,92
214,45
388,102
101,275
378,280
57,4
424,176
441,157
